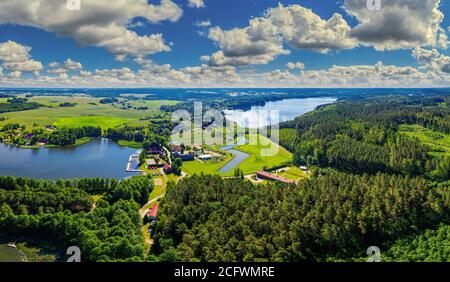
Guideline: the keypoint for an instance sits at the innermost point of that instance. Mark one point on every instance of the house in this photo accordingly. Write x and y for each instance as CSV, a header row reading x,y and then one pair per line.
x,y
151,162
154,151
167,169
185,157
270,176
205,157
50,127
153,213
197,148
304,168
176,148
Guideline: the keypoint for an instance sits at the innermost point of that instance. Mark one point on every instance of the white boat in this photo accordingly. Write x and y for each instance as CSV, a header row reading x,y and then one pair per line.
x,y
12,245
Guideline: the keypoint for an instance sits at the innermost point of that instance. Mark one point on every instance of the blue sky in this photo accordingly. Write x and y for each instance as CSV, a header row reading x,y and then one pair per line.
x,y
56,41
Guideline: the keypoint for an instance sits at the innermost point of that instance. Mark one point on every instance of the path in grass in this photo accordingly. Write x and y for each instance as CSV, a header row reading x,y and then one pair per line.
x,y
159,191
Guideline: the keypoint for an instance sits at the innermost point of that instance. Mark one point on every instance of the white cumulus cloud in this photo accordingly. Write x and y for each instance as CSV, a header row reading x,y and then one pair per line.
x,y
101,23
196,3
399,24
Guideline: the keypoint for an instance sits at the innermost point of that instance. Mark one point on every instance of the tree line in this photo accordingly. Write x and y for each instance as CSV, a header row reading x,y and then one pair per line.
x,y
362,136
329,217
62,212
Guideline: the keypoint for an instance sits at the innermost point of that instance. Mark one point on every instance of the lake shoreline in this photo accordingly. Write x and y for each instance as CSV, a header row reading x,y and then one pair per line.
x,y
98,158
287,109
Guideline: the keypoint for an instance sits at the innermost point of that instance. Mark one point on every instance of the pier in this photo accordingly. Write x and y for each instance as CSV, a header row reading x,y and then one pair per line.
x,y
133,162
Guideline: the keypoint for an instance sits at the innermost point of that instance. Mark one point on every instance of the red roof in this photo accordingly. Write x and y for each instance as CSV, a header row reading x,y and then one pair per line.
x,y
270,176
167,166
153,212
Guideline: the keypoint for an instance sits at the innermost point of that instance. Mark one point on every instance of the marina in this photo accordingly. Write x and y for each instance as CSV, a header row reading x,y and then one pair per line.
x,y
133,162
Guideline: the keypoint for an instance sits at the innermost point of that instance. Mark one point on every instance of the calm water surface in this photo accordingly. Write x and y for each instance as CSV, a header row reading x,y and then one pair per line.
x,y
99,158
239,156
288,109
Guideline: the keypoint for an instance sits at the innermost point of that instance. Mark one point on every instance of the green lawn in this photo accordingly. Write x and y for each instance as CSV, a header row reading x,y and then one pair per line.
x,y
252,164
438,142
207,167
294,173
130,144
256,161
87,111
103,121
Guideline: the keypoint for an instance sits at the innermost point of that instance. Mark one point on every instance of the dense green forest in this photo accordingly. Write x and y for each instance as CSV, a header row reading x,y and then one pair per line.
x,y
363,136
156,132
329,217
63,212
371,184
69,136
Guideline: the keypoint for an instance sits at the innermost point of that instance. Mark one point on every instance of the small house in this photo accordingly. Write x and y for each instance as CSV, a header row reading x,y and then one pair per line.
x,y
205,157
176,148
153,213
167,169
185,157
154,151
151,162
270,176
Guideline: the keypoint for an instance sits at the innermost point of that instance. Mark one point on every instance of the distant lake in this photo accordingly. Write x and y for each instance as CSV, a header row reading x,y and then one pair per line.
x,y
288,109
99,158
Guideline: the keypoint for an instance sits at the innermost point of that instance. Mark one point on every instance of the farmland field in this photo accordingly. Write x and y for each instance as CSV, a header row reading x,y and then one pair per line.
x,y
87,111
104,122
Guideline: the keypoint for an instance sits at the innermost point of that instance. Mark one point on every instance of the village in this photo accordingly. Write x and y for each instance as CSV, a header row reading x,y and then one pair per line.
x,y
168,163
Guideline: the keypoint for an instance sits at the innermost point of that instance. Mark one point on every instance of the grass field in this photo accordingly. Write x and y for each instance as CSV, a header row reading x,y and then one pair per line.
x,y
252,164
258,162
130,144
438,142
102,121
294,173
87,111
207,167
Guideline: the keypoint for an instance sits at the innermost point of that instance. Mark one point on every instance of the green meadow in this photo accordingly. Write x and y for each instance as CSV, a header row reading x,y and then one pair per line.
x,y
294,173
258,162
87,112
439,143
207,167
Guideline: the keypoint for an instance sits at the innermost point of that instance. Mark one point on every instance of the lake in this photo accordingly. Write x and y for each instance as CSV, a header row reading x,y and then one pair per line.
x,y
8,254
99,158
288,109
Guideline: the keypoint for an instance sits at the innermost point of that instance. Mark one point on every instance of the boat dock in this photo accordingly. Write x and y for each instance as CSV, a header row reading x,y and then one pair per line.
x,y
133,162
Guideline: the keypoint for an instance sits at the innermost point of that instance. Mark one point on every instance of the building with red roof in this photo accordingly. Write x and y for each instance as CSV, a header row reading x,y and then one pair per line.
x,y
167,169
270,176
153,212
